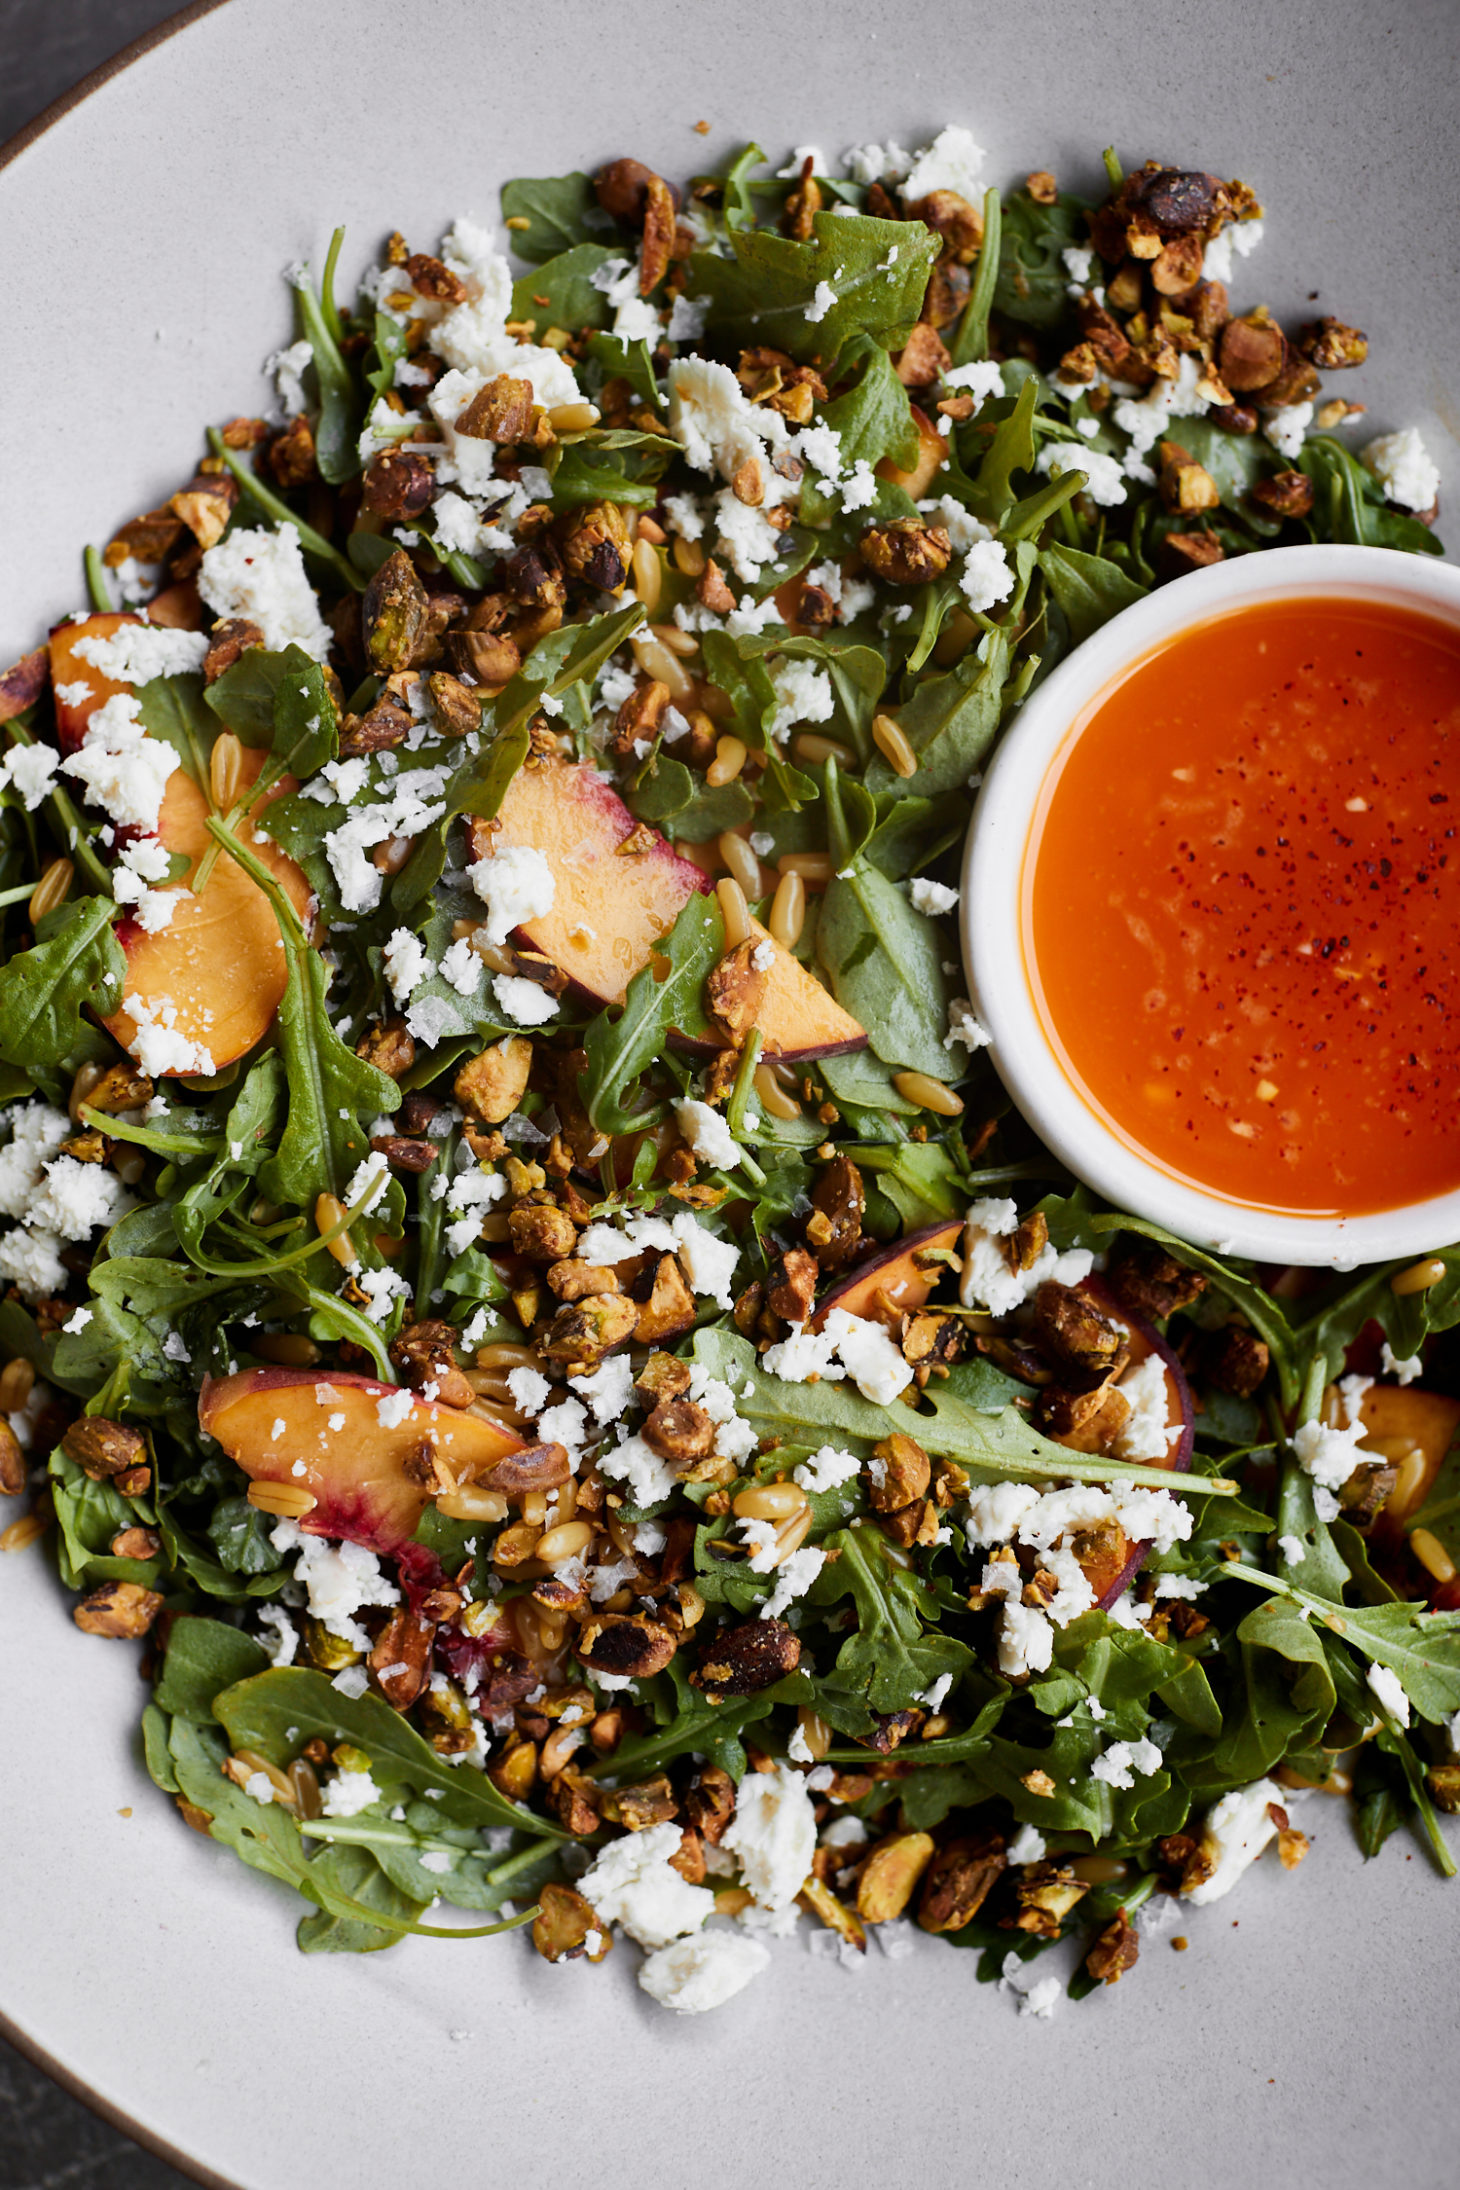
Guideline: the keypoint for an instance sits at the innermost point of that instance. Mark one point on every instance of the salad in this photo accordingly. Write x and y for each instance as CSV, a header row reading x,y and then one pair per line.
x,y
520,1281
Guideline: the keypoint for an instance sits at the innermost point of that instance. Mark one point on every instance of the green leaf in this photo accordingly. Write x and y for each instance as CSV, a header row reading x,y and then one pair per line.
x,y
951,722
560,210
260,1712
560,292
621,1044
1349,504
1422,1647
892,1657
75,966
352,1875
885,963
173,709
203,1658
280,701
239,1533
1033,283
874,419
673,798
337,428
769,282
1089,589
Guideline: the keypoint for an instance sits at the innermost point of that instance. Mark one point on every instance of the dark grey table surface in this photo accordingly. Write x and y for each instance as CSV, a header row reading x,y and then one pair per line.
x,y
47,2138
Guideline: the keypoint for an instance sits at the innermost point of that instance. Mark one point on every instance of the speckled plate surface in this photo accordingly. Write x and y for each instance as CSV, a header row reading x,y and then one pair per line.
x,y
1310,2027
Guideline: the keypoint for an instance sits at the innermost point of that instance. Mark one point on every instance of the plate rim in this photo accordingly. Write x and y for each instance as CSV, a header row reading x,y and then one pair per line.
x,y
104,71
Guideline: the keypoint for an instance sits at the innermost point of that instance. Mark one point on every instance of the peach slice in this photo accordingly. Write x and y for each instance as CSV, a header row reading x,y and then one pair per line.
x,y
931,457
324,1434
892,1283
610,909
220,963
69,670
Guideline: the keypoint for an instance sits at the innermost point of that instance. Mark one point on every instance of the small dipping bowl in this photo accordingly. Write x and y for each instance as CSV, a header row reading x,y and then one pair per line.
x,y
997,892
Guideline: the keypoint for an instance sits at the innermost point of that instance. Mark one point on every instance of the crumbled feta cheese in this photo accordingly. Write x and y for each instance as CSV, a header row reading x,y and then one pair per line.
x,y
516,884
859,488
529,1390
794,1577
157,1045
1118,1765
261,576
987,1279
1078,262
122,770
1404,468
980,380
987,577
869,163
1234,1836
1292,1549
1027,1845
406,964
393,1408
773,1833
31,1262
933,898
870,1356
526,1003
1285,427
36,1131
609,1389
1389,1689
706,1134
713,420
339,1580
346,1794
951,162
76,1198
803,695
1026,1638
1103,479
708,1262
631,1882
1328,1455
1146,1433
650,1481
694,1975
827,1469
29,771
822,301
473,336
1403,1371
964,1027
136,653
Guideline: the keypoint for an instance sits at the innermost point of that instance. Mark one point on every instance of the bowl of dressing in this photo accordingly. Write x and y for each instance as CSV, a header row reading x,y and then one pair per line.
x,y
1211,907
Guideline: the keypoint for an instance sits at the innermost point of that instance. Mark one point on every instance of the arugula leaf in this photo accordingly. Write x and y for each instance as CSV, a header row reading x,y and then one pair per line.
x,y
769,282
560,211
892,1657
874,419
76,965
1349,502
1089,589
884,959
673,798
1033,283
951,722
1421,1646
281,701
622,1043
560,292
203,1658
260,1712
337,428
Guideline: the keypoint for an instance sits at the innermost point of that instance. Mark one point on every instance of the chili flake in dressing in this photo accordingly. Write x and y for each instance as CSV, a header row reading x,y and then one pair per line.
x,y
1240,906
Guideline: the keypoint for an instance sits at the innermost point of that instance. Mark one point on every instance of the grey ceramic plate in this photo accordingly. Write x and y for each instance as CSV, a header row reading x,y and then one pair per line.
x,y
1312,2020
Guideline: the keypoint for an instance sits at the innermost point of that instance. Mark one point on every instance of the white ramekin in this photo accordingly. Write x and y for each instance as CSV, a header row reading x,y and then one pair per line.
x,y
993,865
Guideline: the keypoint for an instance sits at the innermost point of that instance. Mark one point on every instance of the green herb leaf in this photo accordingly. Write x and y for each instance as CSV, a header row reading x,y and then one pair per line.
x,y
76,965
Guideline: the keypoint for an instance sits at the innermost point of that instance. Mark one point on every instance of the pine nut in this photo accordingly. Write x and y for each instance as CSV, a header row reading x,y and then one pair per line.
x,y
329,1211
470,1503
543,1631
773,1096
691,1604
737,855
290,1501
892,744
648,529
17,1382
648,575
1418,1278
51,890
569,1540
494,956
507,1354
769,1502
305,1783
689,558
534,1509
661,666
129,1164
728,761
1409,1481
733,911
392,855
559,1748
811,747
790,1536
225,770
27,1530
491,1384
291,1349
249,1763
86,1081
573,417
814,1732
1098,1870
515,1544
788,911
679,642
811,866
1432,1555
928,1093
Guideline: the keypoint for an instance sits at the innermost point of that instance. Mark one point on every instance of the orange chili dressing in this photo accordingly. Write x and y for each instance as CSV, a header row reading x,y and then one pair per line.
x,y
1241,918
